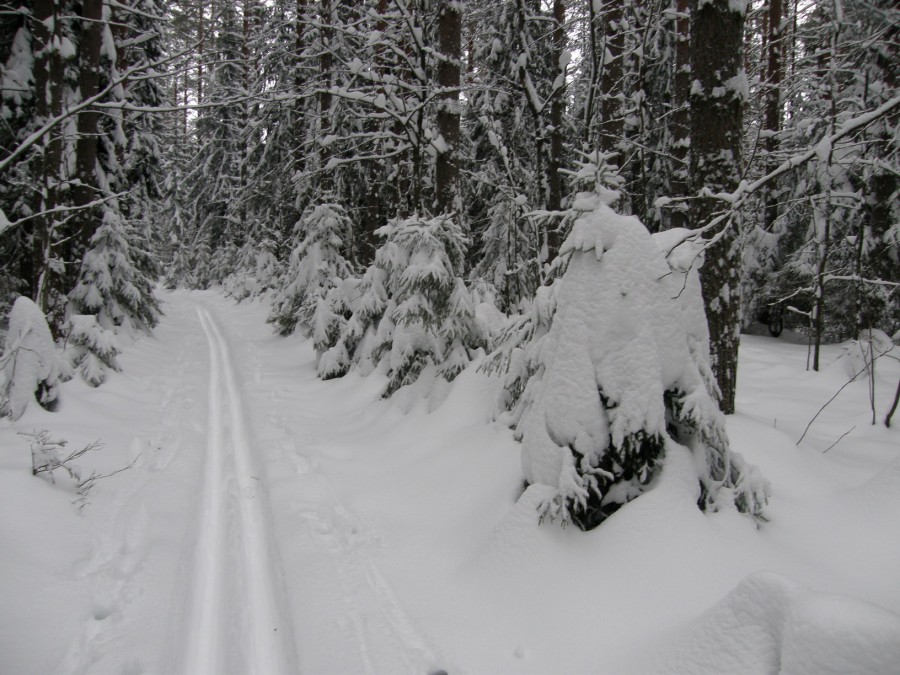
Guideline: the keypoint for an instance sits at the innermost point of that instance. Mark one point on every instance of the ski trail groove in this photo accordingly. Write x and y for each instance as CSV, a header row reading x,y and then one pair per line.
x,y
233,588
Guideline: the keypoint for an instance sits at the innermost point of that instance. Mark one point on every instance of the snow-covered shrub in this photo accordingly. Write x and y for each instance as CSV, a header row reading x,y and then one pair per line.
x,y
29,367
621,372
413,309
510,255
317,265
111,285
48,455
256,273
91,349
522,333
360,344
45,455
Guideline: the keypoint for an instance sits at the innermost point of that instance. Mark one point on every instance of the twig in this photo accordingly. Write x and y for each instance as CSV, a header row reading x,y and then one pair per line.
x,y
844,386
838,440
800,440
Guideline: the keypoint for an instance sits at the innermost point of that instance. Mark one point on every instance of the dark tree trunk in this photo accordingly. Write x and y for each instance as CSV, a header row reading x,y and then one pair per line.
x,y
611,83
326,61
681,120
774,72
448,113
201,48
716,119
85,190
555,160
48,84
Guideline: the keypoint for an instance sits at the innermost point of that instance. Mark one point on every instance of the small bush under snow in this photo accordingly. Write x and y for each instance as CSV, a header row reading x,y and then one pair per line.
x,y
29,367
91,349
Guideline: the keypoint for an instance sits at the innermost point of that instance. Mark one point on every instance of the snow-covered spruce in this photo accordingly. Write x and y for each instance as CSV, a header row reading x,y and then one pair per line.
x,y
111,285
29,366
623,372
413,309
91,349
317,265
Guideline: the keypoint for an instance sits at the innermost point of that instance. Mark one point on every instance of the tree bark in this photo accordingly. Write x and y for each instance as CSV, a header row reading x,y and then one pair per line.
x,y
774,73
612,80
47,163
716,126
448,113
681,120
554,161
326,61
85,190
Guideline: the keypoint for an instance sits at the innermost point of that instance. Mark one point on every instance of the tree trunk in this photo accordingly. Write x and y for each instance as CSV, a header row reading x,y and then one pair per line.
x,y
201,45
85,190
48,85
611,117
555,160
448,113
774,72
326,60
716,125
681,120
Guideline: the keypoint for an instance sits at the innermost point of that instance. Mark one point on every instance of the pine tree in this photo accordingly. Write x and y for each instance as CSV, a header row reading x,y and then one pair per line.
x,y
621,373
317,265
413,310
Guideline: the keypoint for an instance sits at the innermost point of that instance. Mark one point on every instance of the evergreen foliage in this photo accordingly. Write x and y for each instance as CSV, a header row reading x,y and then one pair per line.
x,y
621,371
413,310
317,265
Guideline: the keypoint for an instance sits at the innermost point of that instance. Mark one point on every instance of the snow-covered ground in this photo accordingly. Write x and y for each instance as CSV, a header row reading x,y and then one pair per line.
x,y
275,523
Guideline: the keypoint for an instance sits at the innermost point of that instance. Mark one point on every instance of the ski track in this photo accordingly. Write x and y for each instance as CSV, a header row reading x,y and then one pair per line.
x,y
236,580
237,613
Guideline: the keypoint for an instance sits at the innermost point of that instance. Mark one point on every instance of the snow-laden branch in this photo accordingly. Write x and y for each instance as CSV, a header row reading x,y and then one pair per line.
x,y
827,142
53,122
6,224
858,278
745,189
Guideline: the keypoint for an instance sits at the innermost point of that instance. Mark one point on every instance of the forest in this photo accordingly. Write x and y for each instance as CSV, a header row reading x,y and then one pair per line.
x,y
386,171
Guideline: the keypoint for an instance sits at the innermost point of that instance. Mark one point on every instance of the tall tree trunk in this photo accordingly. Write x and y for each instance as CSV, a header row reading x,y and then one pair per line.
x,y
681,120
822,215
716,126
448,113
85,190
326,61
611,83
557,104
774,72
595,59
201,48
48,85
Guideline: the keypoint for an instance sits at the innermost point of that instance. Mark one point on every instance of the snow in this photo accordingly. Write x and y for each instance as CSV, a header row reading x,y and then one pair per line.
x,y
401,542
28,362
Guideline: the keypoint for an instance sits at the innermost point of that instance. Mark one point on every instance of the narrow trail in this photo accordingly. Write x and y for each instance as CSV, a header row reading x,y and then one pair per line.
x,y
228,550
236,621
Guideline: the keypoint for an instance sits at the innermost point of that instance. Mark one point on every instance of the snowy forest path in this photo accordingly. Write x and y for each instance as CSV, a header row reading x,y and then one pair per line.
x,y
234,544
343,611
237,621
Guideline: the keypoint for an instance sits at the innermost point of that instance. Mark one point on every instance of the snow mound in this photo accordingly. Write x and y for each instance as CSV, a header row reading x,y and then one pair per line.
x,y
772,624
29,366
